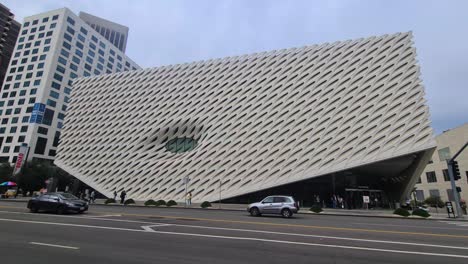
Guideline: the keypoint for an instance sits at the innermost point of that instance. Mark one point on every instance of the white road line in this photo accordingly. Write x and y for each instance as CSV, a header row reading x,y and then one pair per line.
x,y
98,216
73,225
148,228
315,244
52,245
327,237
247,239
412,226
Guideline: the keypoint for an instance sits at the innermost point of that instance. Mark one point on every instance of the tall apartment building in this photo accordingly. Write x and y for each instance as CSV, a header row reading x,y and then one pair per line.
x,y
9,30
53,48
117,34
435,180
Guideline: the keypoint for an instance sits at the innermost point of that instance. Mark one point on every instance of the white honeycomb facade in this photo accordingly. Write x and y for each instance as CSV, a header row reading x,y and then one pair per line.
x,y
260,120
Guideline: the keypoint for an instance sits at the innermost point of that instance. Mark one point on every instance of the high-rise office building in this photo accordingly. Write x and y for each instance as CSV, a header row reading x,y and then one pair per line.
x,y
9,29
53,48
115,33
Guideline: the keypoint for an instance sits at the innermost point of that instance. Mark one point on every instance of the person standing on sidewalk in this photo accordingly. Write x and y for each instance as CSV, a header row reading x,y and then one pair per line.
x,y
122,196
189,198
93,196
115,195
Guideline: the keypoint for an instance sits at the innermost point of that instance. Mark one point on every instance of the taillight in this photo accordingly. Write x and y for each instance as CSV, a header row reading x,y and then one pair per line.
x,y
296,204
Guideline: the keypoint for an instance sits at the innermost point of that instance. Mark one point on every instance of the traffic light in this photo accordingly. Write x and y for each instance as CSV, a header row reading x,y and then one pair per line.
x,y
456,170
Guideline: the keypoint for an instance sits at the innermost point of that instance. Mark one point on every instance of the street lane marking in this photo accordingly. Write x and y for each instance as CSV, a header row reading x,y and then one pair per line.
x,y
73,225
52,245
107,215
246,239
303,226
315,244
326,237
149,228
412,226
295,225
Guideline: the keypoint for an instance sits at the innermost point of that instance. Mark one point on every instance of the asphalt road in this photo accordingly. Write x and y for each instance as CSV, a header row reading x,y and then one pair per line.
x,y
118,234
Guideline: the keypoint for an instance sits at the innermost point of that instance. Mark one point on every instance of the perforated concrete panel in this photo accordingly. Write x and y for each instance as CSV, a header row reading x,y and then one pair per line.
x,y
253,122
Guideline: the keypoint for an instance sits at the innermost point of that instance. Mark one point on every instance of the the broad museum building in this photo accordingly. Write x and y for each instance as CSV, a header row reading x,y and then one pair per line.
x,y
347,119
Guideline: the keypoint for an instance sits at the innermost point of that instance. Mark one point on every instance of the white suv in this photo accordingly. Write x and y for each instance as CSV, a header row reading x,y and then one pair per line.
x,y
283,205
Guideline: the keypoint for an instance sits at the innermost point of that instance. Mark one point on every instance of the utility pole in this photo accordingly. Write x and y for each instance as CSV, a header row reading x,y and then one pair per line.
x,y
220,184
456,195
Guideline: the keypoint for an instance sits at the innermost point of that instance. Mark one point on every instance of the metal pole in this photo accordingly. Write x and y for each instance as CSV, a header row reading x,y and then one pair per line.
x,y
454,189
220,191
185,197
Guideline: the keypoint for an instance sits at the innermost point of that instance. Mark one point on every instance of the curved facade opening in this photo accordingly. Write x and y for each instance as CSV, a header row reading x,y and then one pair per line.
x,y
180,145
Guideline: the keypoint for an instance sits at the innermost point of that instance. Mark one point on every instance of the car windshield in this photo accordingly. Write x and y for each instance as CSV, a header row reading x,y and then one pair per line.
x,y
67,196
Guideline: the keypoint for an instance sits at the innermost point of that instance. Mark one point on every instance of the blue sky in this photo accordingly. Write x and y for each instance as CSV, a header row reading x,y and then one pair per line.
x,y
169,32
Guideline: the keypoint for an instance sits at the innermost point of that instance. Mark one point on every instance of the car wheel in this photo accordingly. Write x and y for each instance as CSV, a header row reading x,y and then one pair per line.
x,y
61,210
286,213
254,211
33,209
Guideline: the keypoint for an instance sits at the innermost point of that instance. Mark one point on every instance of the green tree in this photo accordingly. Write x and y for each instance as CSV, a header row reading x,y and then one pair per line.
x,y
5,171
434,201
32,176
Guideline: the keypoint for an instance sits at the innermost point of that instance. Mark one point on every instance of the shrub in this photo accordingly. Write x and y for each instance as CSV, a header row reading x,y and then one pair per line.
x,y
171,203
205,204
109,201
316,209
402,212
160,202
129,201
150,202
434,201
421,212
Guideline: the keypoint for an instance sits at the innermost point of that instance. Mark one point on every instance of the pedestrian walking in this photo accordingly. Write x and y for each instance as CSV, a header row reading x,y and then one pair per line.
x,y
189,198
115,195
93,196
122,196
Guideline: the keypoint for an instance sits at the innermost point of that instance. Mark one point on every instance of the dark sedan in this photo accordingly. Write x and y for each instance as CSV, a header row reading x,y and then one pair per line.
x,y
57,202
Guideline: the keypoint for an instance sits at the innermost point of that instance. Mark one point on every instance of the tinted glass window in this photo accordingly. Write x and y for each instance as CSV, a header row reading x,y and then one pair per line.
x,y
268,200
279,200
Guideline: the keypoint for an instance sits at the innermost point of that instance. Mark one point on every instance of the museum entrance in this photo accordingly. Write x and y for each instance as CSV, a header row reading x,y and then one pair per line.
x,y
380,184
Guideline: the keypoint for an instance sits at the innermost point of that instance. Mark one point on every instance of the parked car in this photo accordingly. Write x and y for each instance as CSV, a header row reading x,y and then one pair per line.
x,y
282,205
59,203
10,193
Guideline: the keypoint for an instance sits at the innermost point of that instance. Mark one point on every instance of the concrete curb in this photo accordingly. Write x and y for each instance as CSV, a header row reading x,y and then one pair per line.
x,y
239,210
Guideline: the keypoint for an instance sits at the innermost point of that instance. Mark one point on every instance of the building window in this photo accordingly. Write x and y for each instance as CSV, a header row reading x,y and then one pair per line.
x,y
419,195
21,139
9,140
434,193
444,154
179,145
431,176
71,21
42,130
6,149
40,146
419,179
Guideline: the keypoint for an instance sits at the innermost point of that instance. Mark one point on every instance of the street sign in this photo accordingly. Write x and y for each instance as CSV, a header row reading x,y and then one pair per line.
x,y
366,199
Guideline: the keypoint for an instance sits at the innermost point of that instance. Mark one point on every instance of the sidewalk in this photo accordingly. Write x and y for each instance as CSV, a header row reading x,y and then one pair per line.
x,y
440,215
